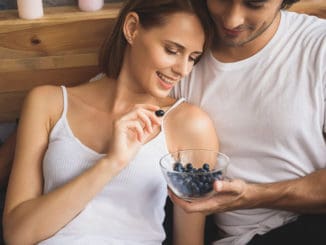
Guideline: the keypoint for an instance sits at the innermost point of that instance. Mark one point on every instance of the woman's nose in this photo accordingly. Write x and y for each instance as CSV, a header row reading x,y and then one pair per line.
x,y
182,67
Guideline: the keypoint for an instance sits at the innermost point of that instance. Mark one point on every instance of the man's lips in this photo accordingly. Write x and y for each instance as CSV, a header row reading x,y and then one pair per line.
x,y
232,33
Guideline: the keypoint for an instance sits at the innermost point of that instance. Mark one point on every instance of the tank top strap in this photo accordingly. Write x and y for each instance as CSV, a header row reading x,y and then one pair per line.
x,y
178,102
65,100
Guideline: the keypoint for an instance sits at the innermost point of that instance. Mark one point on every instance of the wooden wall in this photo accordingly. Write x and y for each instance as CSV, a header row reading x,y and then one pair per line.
x,y
61,48
311,7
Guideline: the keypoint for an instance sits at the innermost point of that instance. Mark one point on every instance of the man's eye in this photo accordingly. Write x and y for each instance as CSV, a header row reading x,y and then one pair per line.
x,y
255,5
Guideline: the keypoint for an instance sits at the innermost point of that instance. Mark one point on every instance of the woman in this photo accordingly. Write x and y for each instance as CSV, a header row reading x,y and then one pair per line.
x,y
86,164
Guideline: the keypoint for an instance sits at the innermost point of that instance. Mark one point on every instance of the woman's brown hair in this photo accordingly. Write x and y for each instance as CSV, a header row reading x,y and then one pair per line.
x,y
152,13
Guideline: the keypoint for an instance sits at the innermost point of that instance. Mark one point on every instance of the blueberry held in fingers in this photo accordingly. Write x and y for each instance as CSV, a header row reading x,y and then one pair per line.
x,y
159,113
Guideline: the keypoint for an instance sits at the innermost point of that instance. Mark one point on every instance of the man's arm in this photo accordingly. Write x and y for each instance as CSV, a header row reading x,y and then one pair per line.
x,y
7,151
303,195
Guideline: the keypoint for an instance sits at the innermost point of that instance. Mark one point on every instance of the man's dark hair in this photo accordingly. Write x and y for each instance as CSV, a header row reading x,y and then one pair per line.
x,y
287,3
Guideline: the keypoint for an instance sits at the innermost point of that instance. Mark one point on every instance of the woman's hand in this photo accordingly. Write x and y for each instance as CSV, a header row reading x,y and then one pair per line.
x,y
131,131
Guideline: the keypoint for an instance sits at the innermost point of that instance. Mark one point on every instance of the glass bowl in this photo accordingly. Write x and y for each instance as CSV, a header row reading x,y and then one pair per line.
x,y
190,174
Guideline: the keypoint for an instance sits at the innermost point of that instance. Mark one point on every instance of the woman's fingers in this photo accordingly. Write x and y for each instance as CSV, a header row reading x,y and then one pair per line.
x,y
147,107
137,129
145,117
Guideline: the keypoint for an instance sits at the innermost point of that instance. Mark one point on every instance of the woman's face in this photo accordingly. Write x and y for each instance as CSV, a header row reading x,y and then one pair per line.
x,y
159,57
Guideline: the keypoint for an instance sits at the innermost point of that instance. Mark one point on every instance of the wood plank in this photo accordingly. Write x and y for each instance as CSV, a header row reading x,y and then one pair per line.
x,y
14,86
316,8
78,37
9,20
49,62
60,48
25,80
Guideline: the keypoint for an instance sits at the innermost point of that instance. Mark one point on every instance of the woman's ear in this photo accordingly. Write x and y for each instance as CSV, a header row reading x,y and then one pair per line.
x,y
130,27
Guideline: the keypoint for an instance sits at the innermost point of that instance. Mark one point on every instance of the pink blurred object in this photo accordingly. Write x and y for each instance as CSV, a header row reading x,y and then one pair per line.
x,y
90,5
30,9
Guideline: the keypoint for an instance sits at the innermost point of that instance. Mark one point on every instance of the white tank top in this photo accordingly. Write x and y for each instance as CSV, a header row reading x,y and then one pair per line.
x,y
129,209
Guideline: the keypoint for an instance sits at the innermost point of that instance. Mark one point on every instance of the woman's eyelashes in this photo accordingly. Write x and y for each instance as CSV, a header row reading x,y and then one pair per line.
x,y
175,51
170,50
194,58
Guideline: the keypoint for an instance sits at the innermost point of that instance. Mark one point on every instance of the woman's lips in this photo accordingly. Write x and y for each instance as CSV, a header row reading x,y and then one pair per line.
x,y
165,82
165,85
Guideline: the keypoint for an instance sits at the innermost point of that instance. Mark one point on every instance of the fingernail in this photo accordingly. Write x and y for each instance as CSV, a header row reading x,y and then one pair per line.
x,y
219,185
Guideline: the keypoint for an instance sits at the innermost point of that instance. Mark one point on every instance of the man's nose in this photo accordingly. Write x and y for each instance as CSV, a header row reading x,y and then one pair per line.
x,y
233,17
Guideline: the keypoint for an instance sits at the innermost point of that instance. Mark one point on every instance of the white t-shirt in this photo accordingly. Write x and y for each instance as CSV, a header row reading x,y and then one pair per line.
x,y
269,112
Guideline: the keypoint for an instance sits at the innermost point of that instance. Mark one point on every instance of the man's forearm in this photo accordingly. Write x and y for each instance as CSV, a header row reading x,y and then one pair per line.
x,y
6,158
303,195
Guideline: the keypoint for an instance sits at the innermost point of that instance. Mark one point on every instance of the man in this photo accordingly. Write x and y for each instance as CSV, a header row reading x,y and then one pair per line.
x,y
263,83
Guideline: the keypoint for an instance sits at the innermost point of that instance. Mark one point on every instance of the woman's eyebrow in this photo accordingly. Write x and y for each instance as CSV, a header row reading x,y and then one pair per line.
x,y
178,45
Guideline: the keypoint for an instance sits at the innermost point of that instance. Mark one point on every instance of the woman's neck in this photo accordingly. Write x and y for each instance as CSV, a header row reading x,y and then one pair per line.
x,y
122,96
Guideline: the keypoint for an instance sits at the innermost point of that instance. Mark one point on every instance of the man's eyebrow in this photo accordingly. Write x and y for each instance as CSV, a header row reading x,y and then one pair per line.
x,y
258,1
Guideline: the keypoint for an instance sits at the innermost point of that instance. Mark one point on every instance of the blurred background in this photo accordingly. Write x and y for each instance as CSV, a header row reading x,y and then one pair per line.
x,y
11,4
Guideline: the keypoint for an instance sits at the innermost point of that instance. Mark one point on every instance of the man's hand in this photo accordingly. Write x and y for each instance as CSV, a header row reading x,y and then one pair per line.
x,y
229,195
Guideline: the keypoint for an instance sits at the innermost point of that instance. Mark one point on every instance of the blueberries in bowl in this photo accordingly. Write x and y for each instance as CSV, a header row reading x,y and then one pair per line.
x,y
190,174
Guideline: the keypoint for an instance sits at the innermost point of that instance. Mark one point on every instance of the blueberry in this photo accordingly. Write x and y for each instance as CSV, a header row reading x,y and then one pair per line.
x,y
200,170
177,167
192,182
218,175
189,167
208,187
195,189
206,167
159,113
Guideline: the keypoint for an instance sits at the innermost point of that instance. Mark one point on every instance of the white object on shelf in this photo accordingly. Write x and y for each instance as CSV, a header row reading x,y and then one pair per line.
x,y
90,5
30,9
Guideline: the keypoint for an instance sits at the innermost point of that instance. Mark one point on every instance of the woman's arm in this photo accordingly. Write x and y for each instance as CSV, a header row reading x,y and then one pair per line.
x,y
188,228
188,127
29,216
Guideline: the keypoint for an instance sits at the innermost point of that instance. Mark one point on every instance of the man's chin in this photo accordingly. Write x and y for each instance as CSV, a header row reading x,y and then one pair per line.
x,y
232,43
228,42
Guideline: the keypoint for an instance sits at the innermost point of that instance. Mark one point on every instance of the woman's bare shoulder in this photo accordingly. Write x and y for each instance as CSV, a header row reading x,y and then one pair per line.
x,y
44,95
191,116
191,127
44,101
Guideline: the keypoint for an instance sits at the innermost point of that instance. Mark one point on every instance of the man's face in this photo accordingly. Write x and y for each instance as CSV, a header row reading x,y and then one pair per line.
x,y
239,22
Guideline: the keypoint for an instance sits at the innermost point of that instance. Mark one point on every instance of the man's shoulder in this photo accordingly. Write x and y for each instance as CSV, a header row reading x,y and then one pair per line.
x,y
303,29
301,21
